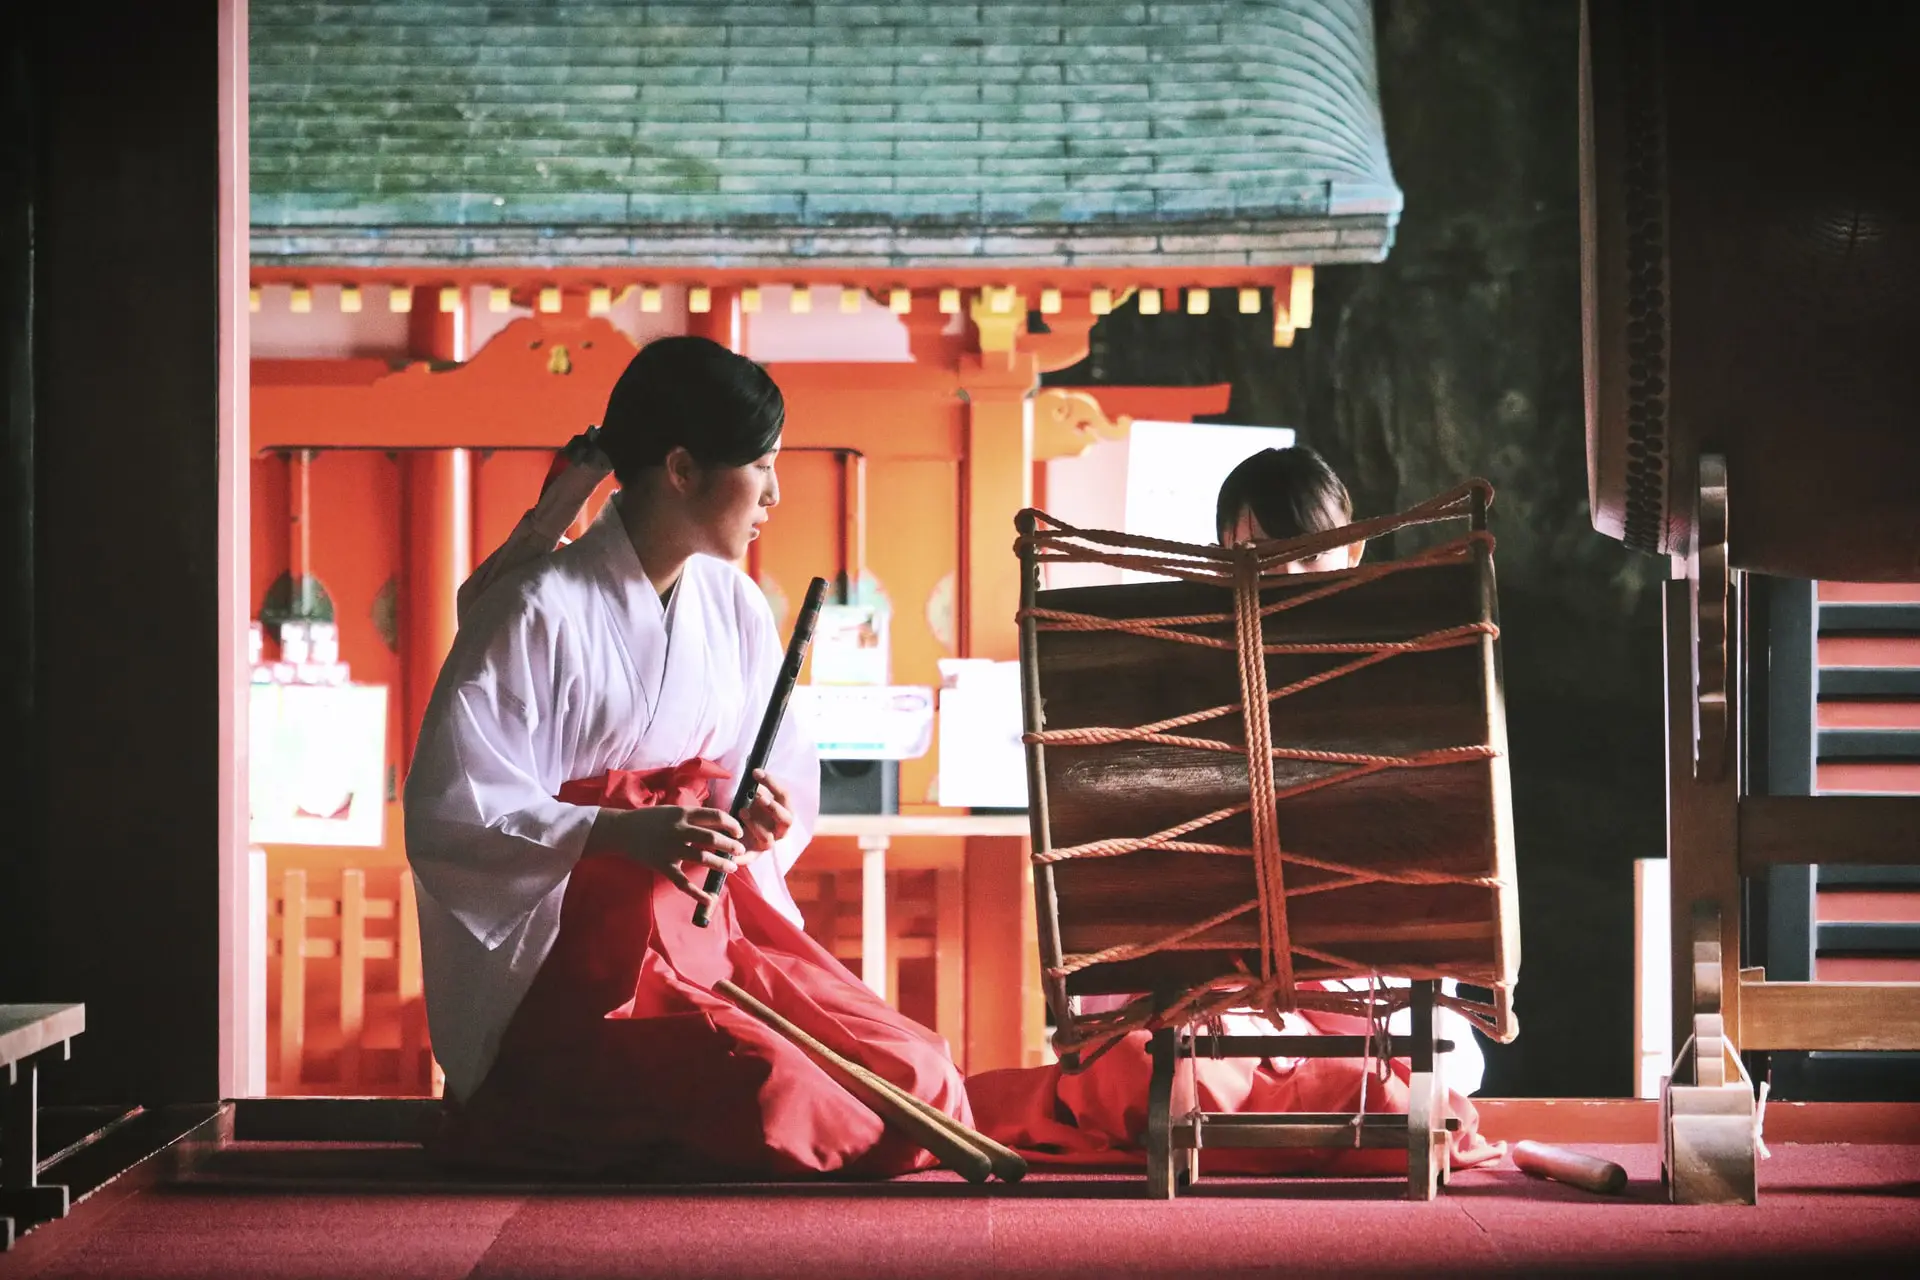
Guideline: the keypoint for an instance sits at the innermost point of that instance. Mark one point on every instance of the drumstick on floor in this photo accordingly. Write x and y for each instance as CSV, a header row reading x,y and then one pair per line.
x,y
971,1154
1589,1173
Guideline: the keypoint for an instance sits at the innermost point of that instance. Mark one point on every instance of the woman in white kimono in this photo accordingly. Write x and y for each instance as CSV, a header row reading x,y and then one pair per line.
x,y
567,797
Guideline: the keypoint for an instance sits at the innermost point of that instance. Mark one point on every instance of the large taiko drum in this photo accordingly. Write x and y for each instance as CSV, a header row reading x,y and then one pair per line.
x,y
1385,724
1750,198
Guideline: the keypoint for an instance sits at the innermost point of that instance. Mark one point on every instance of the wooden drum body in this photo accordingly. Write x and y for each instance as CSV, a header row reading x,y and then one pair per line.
x,y
1393,810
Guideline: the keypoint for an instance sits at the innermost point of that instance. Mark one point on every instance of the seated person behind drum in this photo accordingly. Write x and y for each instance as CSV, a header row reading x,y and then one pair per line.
x,y
1289,493
1096,1114
1279,494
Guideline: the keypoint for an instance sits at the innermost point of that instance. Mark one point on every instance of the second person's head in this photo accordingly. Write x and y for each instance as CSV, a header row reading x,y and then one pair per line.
x,y
1279,494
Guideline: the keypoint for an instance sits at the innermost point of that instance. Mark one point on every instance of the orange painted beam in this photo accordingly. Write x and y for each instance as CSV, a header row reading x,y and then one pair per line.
x,y
1160,404
1866,969
1849,714
1869,651
996,482
539,382
720,322
1005,1008
1863,777
526,282
437,528
359,372
510,396
1613,1121
897,411
1871,592
300,532
1867,906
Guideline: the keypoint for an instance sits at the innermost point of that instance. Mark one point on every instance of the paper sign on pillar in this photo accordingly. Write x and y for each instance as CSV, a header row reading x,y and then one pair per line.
x,y
983,763
853,713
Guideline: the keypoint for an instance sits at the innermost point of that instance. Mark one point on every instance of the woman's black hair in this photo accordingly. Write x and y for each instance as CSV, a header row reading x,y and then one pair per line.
x,y
690,393
1291,492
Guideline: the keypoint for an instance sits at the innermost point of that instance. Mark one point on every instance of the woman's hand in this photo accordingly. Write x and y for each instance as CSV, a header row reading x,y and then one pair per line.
x,y
673,841
769,817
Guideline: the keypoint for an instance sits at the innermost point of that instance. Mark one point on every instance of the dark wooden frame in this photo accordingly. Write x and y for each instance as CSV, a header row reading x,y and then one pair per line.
x,y
1175,1139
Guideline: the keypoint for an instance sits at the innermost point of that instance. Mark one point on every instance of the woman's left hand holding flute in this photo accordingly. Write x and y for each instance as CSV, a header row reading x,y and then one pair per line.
x,y
768,818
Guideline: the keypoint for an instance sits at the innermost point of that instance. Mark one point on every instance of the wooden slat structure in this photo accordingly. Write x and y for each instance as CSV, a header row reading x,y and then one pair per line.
x,y
1869,830
1828,1015
376,1004
1393,812
924,924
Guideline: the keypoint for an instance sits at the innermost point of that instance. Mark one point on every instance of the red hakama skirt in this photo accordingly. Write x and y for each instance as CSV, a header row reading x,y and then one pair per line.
x,y
622,1061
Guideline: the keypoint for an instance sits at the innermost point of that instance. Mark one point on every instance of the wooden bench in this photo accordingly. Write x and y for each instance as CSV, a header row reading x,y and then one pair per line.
x,y
30,1034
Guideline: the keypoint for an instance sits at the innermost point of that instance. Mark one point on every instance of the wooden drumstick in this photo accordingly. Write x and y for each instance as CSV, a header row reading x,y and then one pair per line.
x,y
972,1155
1008,1165
1589,1173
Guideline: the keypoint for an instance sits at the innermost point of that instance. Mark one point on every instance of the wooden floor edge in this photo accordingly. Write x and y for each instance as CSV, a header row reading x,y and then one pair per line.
x,y
334,1119
1596,1120
1633,1120
188,1135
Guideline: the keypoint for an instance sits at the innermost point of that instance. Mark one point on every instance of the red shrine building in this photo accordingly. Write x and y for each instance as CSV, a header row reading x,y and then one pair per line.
x,y
909,227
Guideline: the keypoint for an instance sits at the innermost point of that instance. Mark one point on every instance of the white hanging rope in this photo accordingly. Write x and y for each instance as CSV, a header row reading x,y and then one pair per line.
x,y
1760,1098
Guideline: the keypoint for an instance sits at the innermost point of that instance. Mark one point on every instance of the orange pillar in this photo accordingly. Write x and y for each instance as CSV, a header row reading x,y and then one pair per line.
x,y
1005,1008
853,525
996,482
304,595
720,322
437,523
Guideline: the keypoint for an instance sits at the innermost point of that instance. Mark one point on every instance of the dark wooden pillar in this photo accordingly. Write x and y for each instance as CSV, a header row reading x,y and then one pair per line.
x,y
21,783
122,579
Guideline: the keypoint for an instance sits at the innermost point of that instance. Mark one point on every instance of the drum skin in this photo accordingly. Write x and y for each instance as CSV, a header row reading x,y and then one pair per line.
x,y
1750,200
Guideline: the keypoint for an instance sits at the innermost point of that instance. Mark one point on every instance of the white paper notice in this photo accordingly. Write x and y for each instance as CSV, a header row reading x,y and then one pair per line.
x,y
1174,470
850,645
317,763
850,722
983,763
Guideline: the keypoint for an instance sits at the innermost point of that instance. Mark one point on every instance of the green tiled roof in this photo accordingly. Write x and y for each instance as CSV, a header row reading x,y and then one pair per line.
x,y
1079,132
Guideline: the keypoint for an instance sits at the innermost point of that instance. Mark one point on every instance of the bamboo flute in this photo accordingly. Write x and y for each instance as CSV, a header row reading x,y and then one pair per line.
x,y
769,725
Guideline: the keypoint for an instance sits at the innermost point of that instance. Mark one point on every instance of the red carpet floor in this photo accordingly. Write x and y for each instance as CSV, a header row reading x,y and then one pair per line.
x,y
276,1212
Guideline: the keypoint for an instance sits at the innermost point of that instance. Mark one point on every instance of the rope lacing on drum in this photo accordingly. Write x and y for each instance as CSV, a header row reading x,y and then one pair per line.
x,y
1245,569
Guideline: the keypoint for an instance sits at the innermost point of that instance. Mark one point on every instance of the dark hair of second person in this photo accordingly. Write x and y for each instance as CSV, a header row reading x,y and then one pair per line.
x,y
1279,494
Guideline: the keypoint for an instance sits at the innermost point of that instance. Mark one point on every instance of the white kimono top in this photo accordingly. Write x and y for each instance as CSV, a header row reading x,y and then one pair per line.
x,y
563,670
